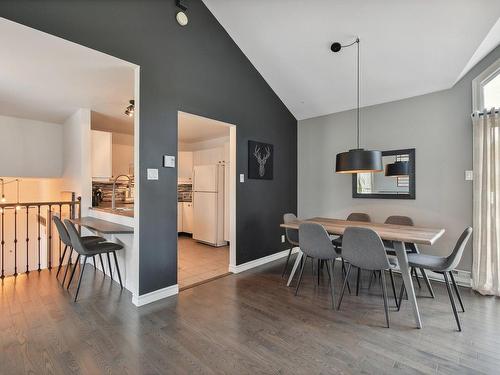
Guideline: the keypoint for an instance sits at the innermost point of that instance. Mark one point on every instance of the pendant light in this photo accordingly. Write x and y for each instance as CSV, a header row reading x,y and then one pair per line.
x,y
397,169
357,160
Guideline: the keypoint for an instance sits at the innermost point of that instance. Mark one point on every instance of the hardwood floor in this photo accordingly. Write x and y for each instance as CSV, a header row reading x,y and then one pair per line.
x,y
198,262
249,323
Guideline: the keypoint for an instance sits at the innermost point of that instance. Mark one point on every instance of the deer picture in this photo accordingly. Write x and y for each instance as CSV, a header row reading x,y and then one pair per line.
x,y
262,159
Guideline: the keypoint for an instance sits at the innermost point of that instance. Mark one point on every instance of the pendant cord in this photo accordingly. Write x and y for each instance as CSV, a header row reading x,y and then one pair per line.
x,y
357,106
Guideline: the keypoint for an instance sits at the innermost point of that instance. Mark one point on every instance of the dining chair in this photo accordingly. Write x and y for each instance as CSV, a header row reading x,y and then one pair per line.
x,y
337,242
292,237
87,250
410,248
363,248
315,243
65,239
445,266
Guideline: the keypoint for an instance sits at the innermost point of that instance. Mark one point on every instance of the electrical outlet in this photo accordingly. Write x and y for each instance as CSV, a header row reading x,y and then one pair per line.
x,y
469,175
242,177
282,238
152,174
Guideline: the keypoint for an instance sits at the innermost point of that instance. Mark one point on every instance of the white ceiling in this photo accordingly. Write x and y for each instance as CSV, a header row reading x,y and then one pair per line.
x,y
193,128
408,47
47,78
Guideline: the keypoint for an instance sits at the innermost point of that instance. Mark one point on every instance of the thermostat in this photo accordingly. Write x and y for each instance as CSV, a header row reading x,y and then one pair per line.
x,y
168,161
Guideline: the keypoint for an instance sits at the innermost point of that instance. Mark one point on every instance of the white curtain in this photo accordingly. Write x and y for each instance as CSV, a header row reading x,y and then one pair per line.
x,y
486,210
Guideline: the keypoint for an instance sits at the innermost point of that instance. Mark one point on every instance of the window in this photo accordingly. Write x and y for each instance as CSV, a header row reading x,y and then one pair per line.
x,y
486,88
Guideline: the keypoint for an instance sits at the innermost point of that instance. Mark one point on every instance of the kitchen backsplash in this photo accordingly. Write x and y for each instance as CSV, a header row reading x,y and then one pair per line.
x,y
121,191
184,192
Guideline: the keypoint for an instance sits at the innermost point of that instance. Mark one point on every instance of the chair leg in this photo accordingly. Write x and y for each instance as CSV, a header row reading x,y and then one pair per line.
x,y
286,264
427,282
414,271
384,289
77,262
371,278
331,266
118,269
344,285
300,275
391,275
81,276
61,261
319,268
93,260
452,300
109,266
102,265
344,273
401,296
67,265
457,292
358,279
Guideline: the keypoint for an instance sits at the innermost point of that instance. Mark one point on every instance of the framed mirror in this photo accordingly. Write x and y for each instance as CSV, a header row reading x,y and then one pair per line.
x,y
396,182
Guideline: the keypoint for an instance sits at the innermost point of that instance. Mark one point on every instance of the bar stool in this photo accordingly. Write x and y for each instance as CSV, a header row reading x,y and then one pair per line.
x,y
90,250
64,236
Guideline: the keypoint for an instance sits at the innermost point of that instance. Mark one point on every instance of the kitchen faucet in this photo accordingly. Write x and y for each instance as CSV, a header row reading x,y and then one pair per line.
x,y
113,198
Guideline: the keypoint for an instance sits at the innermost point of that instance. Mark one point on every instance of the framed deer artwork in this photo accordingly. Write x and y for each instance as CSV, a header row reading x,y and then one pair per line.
x,y
260,160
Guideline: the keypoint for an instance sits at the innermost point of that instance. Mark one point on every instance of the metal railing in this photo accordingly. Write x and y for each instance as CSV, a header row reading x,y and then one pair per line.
x,y
20,218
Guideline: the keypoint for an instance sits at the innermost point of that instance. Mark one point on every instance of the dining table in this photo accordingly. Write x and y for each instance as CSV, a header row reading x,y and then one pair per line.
x,y
398,234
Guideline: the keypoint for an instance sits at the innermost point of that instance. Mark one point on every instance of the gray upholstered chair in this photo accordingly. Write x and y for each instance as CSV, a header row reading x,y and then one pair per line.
x,y
410,248
337,242
445,266
64,236
363,248
292,237
87,250
315,243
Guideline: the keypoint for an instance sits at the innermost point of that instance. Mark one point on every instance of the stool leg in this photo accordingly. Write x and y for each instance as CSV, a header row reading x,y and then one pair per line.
x,y
67,265
109,266
61,261
118,269
77,261
81,276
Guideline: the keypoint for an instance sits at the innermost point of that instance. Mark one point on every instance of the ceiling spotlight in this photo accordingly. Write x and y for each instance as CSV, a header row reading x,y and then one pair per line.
x,y
181,16
129,111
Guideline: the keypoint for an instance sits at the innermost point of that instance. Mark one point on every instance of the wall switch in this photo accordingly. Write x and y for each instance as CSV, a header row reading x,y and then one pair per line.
x,y
168,161
152,174
242,177
282,238
469,175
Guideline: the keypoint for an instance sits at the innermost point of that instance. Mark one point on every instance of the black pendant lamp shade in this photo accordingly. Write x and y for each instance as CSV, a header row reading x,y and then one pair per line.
x,y
397,169
357,160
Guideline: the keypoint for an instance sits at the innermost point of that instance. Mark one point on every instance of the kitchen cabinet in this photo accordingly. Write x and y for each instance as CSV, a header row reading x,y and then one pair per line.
x,y
187,217
102,154
179,217
185,166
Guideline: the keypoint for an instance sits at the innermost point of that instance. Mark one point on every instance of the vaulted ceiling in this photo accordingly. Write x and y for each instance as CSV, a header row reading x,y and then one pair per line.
x,y
408,47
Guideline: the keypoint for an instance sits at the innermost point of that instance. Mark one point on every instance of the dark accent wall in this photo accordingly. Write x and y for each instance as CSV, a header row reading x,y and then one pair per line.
x,y
196,69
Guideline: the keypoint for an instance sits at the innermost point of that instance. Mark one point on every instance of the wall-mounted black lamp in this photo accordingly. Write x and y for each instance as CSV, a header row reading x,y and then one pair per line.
x,y
181,16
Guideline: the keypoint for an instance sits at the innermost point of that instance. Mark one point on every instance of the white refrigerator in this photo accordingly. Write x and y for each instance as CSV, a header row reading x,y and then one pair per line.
x,y
208,204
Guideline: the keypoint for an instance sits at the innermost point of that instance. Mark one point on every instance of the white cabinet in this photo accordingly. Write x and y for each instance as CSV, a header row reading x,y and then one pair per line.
x,y
187,217
179,217
185,166
102,154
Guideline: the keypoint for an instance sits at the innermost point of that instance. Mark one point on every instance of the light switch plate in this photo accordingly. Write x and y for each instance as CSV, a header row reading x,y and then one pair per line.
x,y
242,177
168,161
282,238
469,175
152,174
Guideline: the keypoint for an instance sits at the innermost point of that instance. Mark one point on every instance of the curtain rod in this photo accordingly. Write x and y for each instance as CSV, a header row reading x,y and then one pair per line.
x,y
484,113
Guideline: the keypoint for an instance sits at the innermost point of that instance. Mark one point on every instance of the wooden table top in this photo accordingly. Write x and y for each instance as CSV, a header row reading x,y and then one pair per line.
x,y
103,226
403,233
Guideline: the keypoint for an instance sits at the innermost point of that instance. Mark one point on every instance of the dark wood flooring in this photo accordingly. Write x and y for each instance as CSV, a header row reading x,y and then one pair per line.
x,y
249,323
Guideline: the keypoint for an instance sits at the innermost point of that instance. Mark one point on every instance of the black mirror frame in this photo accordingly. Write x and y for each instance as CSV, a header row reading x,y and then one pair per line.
x,y
412,188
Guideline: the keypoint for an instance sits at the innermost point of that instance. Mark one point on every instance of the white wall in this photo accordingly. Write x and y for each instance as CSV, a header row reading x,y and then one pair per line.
x,y
123,154
77,172
30,148
203,145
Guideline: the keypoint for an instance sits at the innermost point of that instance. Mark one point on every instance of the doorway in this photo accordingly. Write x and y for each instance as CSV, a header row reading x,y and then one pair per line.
x,y
206,185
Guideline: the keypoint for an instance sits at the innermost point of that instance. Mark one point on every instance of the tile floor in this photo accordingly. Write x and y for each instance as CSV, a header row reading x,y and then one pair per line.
x,y
198,262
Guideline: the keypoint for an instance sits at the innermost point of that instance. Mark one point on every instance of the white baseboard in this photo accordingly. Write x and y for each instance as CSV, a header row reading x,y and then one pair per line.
x,y
259,262
156,295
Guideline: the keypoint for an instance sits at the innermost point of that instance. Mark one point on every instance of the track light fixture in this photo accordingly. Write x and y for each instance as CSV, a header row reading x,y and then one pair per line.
x,y
181,16
129,111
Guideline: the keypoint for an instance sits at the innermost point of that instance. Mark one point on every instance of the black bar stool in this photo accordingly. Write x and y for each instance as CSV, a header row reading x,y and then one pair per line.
x,y
64,236
87,250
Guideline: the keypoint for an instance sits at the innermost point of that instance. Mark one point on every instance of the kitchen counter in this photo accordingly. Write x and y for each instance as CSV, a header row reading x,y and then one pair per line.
x,y
122,209
103,226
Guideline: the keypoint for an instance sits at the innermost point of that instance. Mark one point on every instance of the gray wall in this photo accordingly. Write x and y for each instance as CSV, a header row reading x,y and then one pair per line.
x,y
196,69
438,125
